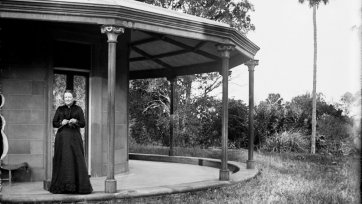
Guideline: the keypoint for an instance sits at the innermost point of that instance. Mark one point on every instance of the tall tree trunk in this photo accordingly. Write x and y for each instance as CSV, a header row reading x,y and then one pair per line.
x,y
186,111
314,100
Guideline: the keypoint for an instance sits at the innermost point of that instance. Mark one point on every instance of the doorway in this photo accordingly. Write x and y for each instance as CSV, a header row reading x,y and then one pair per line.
x,y
79,83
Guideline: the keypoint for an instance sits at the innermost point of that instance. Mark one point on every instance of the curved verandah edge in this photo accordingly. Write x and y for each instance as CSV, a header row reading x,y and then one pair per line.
x,y
239,174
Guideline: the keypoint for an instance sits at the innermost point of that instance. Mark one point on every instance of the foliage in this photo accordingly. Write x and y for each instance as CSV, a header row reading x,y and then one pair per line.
x,y
287,142
279,125
335,135
349,103
299,110
207,113
234,13
207,83
314,2
276,119
238,124
270,117
198,118
149,111
211,123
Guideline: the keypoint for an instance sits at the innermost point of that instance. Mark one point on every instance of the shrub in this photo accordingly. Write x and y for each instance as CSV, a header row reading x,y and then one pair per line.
x,y
336,135
287,141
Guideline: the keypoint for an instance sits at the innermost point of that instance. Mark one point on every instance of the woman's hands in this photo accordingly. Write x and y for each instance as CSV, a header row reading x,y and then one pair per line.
x,y
64,122
71,121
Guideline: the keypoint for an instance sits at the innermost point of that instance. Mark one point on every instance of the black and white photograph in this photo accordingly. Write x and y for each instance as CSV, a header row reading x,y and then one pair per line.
x,y
180,101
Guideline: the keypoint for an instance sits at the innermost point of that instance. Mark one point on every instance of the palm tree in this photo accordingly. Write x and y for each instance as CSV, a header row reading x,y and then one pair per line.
x,y
314,4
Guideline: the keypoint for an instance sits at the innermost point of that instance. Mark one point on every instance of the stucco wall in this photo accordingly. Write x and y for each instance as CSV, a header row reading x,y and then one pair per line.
x,y
23,77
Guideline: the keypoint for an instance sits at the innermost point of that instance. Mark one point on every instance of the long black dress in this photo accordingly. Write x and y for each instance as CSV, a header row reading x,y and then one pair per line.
x,y
70,174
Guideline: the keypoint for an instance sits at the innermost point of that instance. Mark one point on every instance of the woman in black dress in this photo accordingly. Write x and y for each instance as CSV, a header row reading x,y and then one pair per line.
x,y
70,174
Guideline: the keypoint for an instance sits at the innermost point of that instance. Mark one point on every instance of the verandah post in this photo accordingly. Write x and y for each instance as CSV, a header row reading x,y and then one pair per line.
x,y
224,51
112,34
250,163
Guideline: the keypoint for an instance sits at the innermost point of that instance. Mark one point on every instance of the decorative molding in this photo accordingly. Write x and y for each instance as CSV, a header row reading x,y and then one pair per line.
x,y
4,139
112,32
225,49
2,100
112,29
3,123
251,64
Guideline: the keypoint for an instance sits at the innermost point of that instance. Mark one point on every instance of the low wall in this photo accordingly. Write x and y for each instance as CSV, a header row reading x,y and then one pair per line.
x,y
184,160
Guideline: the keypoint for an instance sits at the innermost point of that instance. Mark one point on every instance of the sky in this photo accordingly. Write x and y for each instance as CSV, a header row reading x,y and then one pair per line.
x,y
284,33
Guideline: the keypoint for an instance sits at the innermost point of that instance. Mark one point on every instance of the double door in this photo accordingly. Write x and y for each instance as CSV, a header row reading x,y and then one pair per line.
x,y
78,82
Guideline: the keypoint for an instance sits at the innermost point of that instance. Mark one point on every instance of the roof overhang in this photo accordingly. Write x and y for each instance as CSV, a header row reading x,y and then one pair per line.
x,y
136,16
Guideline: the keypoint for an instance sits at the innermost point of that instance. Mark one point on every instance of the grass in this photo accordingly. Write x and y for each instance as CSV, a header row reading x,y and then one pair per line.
x,y
284,178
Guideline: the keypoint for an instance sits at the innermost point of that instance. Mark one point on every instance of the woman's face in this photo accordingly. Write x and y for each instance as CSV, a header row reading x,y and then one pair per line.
x,y
68,99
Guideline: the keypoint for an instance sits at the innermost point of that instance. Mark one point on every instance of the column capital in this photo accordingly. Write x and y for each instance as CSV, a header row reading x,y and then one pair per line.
x,y
251,64
112,32
225,49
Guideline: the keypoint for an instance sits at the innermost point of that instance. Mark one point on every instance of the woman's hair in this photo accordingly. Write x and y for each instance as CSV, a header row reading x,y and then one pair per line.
x,y
70,91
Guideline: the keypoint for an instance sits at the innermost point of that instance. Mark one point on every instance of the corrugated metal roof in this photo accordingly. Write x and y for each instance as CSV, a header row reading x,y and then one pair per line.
x,y
145,7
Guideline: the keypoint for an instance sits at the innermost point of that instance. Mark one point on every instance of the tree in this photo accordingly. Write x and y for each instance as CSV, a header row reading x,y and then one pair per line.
x,y
314,4
270,117
299,111
347,101
149,111
280,125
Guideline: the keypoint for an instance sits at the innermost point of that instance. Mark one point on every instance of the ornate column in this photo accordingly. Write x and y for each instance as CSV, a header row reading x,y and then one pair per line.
x,y
250,163
224,51
112,34
172,114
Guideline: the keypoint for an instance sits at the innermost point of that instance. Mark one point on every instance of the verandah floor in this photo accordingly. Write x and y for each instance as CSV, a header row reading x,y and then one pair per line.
x,y
145,178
